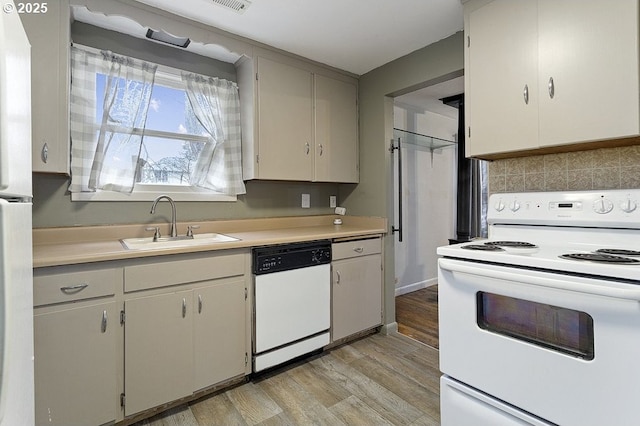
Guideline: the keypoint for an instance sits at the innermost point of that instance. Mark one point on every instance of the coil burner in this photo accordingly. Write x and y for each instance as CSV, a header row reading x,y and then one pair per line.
x,y
619,252
601,258
512,244
482,247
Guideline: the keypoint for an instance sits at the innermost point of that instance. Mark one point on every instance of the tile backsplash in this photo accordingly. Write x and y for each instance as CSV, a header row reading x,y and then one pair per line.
x,y
610,168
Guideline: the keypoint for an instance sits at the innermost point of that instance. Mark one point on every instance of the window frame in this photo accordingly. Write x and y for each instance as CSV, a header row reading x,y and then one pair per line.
x,y
168,77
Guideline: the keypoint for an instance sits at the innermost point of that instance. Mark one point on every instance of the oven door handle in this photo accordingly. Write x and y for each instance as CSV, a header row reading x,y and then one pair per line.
x,y
564,284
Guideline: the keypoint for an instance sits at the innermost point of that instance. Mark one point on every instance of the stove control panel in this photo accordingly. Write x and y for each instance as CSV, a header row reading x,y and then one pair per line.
x,y
611,208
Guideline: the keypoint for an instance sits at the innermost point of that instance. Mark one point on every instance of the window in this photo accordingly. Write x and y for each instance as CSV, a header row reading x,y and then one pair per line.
x,y
170,143
552,327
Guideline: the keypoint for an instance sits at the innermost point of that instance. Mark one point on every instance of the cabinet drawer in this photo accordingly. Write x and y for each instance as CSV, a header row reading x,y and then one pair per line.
x,y
165,273
49,288
348,249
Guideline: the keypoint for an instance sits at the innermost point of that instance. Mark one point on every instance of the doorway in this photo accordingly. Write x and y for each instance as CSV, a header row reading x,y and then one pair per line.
x,y
426,202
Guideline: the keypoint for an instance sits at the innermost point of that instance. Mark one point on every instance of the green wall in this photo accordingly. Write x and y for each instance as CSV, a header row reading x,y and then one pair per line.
x,y
52,206
435,63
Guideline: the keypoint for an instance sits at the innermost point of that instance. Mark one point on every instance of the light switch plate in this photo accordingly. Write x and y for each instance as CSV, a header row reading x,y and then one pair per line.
x,y
332,201
306,201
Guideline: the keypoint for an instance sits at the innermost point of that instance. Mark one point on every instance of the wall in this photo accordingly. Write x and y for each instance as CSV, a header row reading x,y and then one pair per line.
x,y
52,203
373,195
428,199
610,168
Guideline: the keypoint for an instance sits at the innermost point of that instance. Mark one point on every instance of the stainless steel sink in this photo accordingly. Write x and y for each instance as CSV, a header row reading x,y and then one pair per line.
x,y
147,243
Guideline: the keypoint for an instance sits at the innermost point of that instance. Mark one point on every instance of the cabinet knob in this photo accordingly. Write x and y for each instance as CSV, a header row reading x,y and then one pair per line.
x,y
552,89
45,153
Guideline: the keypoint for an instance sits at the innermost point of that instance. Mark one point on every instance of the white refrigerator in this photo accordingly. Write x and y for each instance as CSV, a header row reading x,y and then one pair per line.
x,y
16,273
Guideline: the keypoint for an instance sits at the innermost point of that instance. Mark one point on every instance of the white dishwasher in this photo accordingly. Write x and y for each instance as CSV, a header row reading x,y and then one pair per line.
x,y
291,302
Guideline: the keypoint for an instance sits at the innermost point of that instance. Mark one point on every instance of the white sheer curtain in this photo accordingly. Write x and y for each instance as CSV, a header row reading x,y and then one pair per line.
x,y
113,152
216,105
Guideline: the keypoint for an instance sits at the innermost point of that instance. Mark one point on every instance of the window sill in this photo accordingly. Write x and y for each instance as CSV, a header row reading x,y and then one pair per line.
x,y
177,194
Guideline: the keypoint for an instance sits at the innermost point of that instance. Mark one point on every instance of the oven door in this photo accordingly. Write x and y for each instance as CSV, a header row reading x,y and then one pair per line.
x,y
564,348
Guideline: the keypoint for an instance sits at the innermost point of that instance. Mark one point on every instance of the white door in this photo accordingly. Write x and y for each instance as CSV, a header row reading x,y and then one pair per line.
x,y
16,315
291,305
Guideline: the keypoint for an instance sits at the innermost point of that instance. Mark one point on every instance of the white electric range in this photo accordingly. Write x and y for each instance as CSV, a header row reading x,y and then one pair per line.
x,y
540,323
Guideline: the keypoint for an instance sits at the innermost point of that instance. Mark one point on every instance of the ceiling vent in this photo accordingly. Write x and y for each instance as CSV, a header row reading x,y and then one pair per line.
x,y
237,5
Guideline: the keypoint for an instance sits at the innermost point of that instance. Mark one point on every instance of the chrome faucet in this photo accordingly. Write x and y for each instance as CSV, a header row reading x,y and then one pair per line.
x,y
173,230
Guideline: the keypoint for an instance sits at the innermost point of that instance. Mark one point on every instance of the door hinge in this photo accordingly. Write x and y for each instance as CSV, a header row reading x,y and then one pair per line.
x,y
122,399
122,317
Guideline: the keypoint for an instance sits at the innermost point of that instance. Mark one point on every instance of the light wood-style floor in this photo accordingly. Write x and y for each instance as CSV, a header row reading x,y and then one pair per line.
x,y
417,315
377,380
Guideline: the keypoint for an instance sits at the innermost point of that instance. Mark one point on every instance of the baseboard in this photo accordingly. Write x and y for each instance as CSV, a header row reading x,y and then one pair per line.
x,y
389,328
416,286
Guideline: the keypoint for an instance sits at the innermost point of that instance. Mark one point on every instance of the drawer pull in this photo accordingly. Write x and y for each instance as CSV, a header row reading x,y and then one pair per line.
x,y
104,322
358,249
71,289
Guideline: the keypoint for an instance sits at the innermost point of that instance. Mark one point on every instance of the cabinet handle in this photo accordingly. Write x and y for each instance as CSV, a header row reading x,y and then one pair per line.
x,y
103,328
525,94
552,89
45,153
358,249
199,303
306,145
70,289
184,307
321,149
337,277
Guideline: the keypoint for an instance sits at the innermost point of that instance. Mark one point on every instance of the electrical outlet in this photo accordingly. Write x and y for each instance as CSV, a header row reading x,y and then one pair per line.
x,y
306,201
332,201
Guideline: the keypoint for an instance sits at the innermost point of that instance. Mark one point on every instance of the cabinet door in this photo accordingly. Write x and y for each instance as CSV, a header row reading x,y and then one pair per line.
x,y
590,49
357,295
219,332
336,130
75,365
49,36
158,347
285,113
500,64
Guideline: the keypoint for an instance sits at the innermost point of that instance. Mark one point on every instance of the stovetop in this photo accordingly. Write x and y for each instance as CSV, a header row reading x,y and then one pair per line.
x,y
585,232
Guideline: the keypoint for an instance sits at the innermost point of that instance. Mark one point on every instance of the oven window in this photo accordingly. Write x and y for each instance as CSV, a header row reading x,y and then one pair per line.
x,y
553,327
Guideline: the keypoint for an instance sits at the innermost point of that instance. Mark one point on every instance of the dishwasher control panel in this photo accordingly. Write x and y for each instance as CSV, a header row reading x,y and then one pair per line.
x,y
290,256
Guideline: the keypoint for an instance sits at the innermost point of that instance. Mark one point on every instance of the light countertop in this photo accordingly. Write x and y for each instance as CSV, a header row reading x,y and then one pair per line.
x,y
74,245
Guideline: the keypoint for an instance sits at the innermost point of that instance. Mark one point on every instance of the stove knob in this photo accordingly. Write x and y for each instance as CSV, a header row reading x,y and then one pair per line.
x,y
628,205
514,206
499,206
602,206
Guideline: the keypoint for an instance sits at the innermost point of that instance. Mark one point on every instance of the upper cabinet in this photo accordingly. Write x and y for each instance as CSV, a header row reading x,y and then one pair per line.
x,y
546,73
303,126
48,33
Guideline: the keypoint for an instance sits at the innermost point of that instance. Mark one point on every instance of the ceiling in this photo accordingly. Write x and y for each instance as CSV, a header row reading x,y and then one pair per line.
x,y
352,35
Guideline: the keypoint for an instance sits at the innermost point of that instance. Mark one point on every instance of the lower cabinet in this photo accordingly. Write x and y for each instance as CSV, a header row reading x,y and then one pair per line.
x,y
185,329
75,346
356,287
158,353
